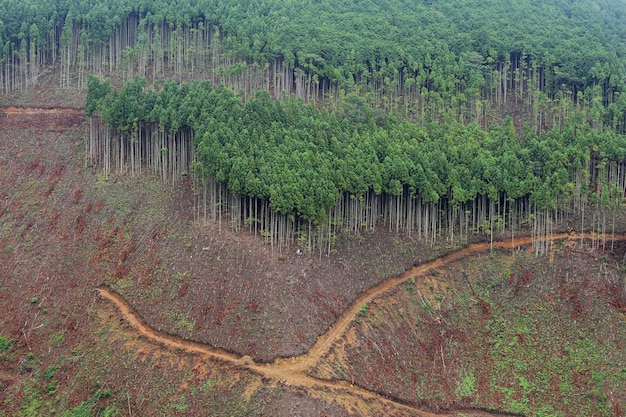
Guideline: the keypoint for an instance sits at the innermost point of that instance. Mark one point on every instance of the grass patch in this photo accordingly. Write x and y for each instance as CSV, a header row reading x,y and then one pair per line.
x,y
180,319
533,338
467,385
124,283
5,343
541,351
87,408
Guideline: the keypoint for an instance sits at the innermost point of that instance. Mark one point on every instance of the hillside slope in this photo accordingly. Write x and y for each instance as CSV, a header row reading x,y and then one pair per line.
x,y
65,229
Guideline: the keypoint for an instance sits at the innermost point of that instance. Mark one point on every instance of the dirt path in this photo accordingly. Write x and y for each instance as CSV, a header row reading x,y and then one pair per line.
x,y
325,341
293,371
34,111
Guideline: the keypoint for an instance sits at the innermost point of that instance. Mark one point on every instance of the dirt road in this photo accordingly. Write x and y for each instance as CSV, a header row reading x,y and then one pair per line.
x,y
293,371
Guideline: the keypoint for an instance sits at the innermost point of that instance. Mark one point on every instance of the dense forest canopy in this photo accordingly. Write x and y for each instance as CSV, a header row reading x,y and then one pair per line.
x,y
306,162
573,34
462,48
330,114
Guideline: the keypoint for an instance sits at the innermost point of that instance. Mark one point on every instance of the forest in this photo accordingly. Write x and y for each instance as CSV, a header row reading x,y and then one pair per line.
x,y
417,58
299,120
300,174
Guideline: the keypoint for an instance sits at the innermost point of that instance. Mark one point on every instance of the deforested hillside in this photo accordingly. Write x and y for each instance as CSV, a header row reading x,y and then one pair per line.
x,y
277,208
119,303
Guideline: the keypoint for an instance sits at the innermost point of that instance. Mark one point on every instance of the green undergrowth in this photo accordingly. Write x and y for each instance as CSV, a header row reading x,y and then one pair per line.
x,y
510,333
551,350
5,343
43,394
116,377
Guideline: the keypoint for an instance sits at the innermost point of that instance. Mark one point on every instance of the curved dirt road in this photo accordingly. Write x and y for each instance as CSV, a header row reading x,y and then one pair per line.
x,y
293,371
